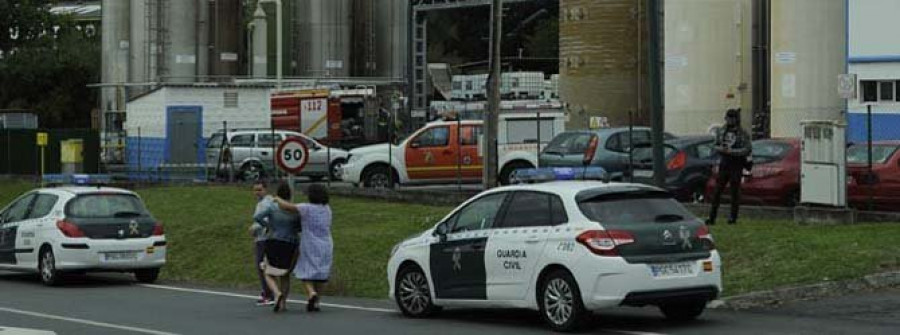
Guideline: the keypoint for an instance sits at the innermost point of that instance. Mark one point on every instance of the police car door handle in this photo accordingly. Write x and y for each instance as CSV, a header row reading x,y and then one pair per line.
x,y
532,239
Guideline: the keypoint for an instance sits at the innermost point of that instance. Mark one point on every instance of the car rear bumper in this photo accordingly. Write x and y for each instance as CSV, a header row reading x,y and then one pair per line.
x,y
90,254
616,282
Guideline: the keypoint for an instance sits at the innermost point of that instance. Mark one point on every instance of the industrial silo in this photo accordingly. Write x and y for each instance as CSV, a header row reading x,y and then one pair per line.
x,y
707,63
142,12
325,29
603,69
178,34
808,53
115,45
390,21
226,38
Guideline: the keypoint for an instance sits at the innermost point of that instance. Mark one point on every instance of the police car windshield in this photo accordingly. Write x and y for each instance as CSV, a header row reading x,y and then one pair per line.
x,y
105,206
633,207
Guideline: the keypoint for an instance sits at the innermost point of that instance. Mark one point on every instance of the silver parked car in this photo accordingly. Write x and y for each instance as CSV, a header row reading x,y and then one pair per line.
x,y
252,154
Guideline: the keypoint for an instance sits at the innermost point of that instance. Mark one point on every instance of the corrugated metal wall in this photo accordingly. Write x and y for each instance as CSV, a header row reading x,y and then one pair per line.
x,y
602,65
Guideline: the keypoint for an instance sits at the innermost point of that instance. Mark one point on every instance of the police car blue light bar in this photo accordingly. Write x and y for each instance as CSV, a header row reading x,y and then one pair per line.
x,y
77,179
541,175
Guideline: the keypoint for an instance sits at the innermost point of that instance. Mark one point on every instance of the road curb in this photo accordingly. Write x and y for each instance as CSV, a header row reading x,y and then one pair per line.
x,y
808,292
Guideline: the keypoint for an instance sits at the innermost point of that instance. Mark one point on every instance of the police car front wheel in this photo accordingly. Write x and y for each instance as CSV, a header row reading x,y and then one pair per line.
x,y
412,293
560,302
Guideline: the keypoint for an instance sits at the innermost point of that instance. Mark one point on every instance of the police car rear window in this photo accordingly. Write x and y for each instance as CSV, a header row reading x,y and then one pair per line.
x,y
105,206
633,207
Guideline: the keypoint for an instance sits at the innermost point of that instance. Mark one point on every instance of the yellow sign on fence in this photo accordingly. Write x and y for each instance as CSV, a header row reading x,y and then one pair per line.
x,y
42,139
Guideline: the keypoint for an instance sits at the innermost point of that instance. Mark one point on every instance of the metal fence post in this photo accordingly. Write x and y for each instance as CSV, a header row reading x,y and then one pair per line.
x,y
459,145
538,149
869,176
140,171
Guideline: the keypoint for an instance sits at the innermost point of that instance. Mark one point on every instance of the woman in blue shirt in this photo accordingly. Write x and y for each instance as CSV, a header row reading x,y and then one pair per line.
x,y
281,245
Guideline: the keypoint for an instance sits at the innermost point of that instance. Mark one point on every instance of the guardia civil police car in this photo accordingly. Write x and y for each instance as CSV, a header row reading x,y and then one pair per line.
x,y
80,229
564,248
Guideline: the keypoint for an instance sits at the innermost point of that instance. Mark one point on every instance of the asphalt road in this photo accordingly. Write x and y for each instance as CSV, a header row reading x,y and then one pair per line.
x,y
113,304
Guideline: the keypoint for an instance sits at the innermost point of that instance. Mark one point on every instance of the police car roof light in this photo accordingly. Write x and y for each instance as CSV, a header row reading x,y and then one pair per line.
x,y
77,179
542,175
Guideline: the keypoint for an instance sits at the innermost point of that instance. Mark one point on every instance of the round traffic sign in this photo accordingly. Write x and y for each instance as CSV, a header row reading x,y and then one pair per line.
x,y
292,155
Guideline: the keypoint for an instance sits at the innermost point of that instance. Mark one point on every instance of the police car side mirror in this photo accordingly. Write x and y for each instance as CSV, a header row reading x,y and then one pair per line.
x,y
441,231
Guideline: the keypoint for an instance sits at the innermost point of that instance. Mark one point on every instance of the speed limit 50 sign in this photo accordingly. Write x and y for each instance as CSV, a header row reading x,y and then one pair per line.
x,y
292,155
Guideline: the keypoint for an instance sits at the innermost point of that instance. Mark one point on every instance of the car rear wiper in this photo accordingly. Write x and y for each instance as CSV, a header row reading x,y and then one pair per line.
x,y
127,214
668,218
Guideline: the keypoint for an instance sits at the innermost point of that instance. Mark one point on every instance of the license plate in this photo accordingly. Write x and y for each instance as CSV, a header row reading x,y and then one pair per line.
x,y
672,270
643,173
120,256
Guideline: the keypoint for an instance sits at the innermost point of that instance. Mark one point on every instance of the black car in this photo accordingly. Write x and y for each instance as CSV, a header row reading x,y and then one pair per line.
x,y
689,163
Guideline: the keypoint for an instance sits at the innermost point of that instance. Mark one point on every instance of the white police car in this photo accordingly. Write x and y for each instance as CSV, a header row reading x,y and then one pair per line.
x,y
564,248
81,229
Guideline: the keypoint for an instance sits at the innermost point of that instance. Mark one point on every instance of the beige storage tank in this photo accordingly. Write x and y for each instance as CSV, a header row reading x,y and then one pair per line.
x,y
809,51
603,70
708,63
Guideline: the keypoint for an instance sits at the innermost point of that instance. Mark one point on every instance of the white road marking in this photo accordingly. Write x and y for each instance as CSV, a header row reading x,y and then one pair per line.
x,y
245,296
630,332
85,322
351,307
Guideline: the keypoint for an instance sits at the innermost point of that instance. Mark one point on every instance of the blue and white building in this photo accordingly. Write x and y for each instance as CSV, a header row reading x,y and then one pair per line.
x,y
874,56
170,124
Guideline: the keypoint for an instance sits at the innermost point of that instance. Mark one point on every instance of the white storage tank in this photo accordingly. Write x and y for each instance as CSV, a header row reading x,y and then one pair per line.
x,y
324,37
179,32
808,52
708,63
391,19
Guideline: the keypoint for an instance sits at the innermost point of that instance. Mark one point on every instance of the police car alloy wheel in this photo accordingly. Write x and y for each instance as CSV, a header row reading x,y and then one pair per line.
x,y
560,302
412,293
47,264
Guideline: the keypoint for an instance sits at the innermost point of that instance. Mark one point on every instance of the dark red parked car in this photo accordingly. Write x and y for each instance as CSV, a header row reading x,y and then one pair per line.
x,y
883,183
775,177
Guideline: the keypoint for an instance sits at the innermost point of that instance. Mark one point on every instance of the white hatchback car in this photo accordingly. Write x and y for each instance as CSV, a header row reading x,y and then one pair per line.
x,y
81,229
564,248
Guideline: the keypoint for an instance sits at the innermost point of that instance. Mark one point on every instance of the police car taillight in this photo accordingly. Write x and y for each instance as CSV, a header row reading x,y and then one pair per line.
x,y
605,242
69,229
158,229
706,238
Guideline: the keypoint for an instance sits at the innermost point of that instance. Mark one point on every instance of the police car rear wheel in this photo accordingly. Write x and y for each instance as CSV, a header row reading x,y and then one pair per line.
x,y
146,276
412,293
560,302
47,268
683,311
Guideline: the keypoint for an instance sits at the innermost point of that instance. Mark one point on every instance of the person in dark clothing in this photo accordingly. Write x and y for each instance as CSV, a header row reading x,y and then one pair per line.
x,y
734,147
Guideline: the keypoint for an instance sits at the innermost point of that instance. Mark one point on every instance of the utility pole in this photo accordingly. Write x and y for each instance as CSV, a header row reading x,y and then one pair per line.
x,y
656,108
491,115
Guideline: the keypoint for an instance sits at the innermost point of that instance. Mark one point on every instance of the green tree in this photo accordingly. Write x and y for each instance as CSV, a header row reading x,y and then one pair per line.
x,y
46,63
